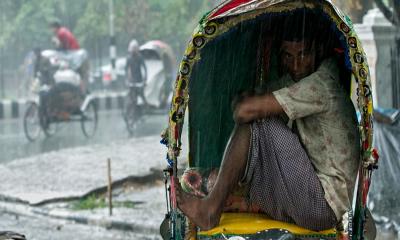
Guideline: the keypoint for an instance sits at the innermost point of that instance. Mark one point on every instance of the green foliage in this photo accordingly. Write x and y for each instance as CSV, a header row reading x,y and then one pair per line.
x,y
92,202
24,23
91,25
89,203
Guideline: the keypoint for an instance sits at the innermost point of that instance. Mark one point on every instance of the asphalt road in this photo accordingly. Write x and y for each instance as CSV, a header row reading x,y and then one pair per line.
x,y
40,228
14,145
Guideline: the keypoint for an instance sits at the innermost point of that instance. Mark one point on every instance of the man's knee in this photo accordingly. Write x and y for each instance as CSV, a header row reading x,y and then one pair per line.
x,y
242,130
316,221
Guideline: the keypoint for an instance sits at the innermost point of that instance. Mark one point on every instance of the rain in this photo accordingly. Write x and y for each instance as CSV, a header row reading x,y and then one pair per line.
x,y
103,102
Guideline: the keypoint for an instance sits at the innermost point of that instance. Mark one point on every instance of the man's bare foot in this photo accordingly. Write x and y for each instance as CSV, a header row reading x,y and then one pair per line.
x,y
201,211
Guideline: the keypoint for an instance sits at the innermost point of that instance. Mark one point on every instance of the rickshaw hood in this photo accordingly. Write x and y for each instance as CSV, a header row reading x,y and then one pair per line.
x,y
211,74
237,7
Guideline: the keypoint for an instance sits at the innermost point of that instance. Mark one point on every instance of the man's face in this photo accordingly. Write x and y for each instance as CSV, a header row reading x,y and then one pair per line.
x,y
298,59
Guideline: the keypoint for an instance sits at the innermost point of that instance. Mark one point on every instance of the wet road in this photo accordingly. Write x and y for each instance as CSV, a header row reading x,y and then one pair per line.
x,y
35,228
14,145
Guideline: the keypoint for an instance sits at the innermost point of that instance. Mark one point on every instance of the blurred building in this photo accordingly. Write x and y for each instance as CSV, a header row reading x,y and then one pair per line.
x,y
378,37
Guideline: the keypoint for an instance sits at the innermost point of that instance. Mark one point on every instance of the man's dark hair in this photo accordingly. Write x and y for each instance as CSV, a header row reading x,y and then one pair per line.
x,y
300,26
55,24
311,27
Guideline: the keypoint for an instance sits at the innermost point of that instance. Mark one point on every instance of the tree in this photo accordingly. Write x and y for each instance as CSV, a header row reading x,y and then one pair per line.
x,y
356,9
24,24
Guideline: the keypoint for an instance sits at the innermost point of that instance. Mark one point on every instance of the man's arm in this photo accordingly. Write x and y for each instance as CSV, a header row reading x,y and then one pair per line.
x,y
63,38
312,94
251,108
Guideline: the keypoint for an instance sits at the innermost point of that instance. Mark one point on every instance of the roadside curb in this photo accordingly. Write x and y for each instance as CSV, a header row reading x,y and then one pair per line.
x,y
13,109
152,177
96,221
24,210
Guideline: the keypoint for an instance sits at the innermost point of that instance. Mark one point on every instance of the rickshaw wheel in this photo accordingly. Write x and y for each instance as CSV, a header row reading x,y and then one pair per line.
x,y
32,122
131,117
89,120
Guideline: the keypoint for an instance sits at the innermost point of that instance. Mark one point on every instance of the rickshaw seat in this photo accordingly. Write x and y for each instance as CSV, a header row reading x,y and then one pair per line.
x,y
252,223
243,223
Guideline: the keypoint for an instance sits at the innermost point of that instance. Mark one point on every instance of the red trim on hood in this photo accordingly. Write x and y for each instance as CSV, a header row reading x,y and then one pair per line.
x,y
228,6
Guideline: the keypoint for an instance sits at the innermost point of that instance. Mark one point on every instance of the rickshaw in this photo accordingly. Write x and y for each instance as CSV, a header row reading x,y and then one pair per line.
x,y
58,96
160,51
157,90
221,61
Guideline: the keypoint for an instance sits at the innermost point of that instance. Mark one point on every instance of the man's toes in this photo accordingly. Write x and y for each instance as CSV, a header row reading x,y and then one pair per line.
x,y
177,184
178,198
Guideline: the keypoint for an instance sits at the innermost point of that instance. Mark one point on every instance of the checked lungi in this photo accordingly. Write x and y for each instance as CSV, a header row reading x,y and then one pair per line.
x,y
282,180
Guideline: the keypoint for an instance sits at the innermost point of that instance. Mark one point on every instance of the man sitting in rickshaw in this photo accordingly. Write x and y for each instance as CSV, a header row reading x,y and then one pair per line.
x,y
301,171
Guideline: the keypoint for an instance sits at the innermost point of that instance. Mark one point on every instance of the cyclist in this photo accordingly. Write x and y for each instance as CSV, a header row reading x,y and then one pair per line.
x,y
136,72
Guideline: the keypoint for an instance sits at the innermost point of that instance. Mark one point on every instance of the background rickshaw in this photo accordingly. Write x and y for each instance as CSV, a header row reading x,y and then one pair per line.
x,y
158,86
58,97
220,62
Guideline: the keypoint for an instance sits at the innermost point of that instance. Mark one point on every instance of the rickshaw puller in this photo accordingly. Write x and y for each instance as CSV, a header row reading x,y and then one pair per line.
x,y
136,71
304,175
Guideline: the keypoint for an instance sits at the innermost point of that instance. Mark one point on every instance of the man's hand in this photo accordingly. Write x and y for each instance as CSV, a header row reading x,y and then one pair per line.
x,y
250,108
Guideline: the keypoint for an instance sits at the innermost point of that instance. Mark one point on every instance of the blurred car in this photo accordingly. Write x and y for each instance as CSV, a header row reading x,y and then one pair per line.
x,y
102,78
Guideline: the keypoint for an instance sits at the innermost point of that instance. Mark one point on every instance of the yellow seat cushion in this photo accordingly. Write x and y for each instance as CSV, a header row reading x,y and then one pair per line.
x,y
250,223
